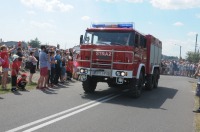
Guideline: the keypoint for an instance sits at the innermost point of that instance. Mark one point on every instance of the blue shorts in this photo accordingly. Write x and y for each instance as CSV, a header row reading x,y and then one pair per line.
x,y
5,69
63,71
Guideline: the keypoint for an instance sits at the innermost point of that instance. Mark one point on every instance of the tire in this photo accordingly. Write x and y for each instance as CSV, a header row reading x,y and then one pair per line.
x,y
111,84
156,78
149,85
136,86
89,85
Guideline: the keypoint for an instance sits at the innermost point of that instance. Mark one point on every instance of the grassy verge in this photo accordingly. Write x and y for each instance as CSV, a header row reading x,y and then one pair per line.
x,y
28,87
197,115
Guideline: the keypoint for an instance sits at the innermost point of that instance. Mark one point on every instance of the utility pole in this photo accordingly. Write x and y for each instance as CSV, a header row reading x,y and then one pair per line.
x,y
196,43
180,50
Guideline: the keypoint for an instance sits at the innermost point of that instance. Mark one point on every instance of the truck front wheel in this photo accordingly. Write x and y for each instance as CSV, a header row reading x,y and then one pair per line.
x,y
136,88
89,85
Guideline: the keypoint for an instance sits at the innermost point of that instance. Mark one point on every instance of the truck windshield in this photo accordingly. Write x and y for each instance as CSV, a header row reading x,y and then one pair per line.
x,y
108,38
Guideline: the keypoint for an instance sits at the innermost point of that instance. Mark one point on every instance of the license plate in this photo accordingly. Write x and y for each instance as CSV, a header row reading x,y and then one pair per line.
x,y
101,73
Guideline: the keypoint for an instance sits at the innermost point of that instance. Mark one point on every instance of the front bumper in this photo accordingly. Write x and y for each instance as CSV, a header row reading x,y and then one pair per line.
x,y
118,74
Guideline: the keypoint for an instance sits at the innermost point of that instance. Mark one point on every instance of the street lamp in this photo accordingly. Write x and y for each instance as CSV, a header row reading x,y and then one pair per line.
x,y
180,49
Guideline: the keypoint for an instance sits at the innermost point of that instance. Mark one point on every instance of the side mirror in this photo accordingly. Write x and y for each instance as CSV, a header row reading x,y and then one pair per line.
x,y
81,39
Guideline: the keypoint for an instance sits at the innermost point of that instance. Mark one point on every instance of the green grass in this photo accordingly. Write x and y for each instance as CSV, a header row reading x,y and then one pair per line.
x,y
8,90
197,115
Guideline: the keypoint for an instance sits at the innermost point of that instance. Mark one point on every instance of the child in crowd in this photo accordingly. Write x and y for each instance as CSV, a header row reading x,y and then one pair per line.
x,y
14,72
21,82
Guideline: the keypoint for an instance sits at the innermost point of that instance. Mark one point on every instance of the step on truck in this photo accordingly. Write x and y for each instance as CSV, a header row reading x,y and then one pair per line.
x,y
119,55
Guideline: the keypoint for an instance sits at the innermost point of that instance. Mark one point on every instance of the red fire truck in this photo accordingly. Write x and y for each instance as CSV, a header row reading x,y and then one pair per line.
x,y
119,55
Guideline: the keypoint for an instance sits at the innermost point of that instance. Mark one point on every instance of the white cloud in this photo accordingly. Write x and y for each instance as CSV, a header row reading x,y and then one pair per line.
x,y
131,1
109,0
178,24
198,15
150,23
192,34
175,4
42,25
48,5
85,18
135,1
31,12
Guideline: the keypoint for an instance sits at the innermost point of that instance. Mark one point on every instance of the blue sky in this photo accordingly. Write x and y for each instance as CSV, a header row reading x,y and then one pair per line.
x,y
174,22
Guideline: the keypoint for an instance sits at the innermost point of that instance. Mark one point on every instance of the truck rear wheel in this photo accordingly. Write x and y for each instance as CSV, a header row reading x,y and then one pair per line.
x,y
89,85
149,82
136,88
156,77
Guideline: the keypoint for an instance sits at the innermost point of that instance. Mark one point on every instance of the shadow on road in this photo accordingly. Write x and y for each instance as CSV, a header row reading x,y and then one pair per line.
x,y
100,93
16,93
48,91
149,99
1,98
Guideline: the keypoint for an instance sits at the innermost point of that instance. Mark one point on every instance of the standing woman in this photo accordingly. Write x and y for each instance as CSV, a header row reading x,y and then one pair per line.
x,y
5,65
33,67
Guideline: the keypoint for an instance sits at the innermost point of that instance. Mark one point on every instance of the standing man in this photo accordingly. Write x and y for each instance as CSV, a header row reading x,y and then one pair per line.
x,y
58,65
43,59
20,59
197,73
36,54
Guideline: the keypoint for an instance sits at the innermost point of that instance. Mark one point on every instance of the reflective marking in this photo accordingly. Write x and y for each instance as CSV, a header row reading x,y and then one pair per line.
x,y
70,114
57,114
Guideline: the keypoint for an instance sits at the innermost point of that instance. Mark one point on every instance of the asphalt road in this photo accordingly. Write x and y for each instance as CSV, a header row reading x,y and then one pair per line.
x,y
68,109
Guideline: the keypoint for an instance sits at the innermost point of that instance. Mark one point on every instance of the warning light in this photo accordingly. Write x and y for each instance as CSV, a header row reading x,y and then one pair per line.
x,y
113,25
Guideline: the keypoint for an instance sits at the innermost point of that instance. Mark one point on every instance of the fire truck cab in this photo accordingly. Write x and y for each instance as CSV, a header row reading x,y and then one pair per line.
x,y
119,55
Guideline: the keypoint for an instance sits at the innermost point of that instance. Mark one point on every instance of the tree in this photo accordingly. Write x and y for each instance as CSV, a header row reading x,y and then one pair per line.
x,y
193,57
35,43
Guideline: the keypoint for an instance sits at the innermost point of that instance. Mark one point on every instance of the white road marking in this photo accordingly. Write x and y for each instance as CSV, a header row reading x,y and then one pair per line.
x,y
69,114
57,114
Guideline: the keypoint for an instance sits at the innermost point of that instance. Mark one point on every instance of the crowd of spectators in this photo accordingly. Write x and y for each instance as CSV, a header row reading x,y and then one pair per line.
x,y
54,65
178,68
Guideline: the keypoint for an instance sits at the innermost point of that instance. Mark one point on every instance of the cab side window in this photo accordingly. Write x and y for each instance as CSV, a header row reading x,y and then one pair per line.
x,y
137,38
131,40
142,41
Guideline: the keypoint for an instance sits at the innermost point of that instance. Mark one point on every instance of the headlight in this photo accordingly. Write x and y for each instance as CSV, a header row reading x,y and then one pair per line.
x,y
118,73
86,71
82,70
122,73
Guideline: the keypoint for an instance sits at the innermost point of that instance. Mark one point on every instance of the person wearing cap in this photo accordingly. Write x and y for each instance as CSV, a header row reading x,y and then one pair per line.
x,y
21,82
14,72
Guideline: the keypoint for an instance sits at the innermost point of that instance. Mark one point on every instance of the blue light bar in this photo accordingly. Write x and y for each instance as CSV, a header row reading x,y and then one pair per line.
x,y
125,25
112,25
98,25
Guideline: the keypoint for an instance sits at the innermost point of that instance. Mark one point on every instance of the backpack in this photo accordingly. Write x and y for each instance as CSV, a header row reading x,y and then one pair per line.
x,y
28,65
